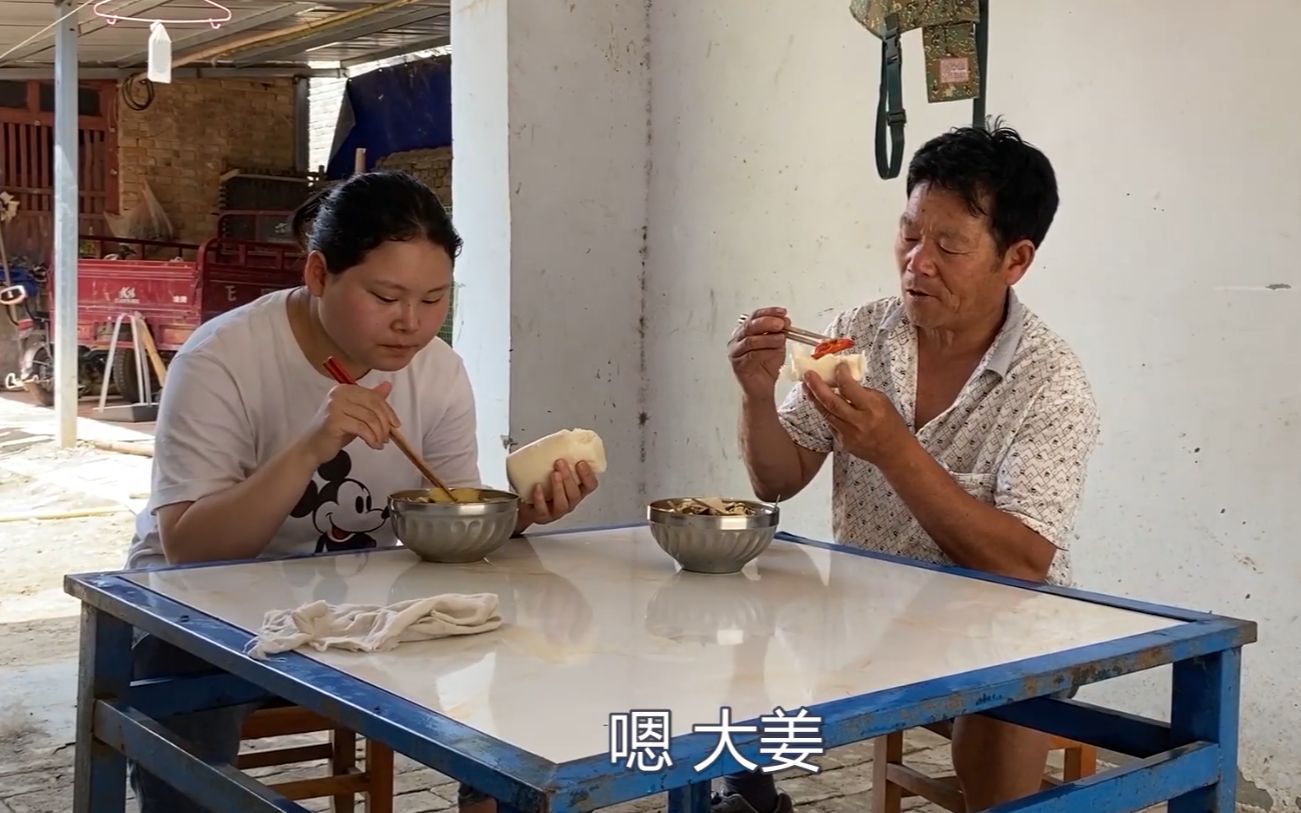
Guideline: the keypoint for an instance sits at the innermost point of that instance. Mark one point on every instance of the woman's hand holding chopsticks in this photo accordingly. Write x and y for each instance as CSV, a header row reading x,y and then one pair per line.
x,y
352,411
239,522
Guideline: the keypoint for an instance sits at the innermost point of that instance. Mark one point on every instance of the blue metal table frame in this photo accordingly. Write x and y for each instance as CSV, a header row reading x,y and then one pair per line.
x,y
1190,762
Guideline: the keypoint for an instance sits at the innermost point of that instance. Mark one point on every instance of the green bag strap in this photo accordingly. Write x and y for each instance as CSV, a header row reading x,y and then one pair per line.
x,y
890,118
890,115
982,59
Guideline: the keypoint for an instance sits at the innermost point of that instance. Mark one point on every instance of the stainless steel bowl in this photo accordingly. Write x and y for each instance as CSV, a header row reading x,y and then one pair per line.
x,y
454,532
712,544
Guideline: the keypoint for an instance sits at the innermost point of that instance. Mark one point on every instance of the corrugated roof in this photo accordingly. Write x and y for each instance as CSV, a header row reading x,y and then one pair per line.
x,y
261,37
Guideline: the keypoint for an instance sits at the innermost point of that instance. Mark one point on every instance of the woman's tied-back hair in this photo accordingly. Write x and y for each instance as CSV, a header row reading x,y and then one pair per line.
x,y
346,220
996,174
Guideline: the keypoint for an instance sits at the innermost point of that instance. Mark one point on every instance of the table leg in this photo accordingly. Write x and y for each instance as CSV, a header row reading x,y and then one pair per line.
x,y
1204,706
104,673
693,798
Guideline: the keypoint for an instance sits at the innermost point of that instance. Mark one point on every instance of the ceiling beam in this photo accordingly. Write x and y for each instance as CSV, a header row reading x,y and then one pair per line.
x,y
351,4
293,33
239,25
22,73
395,51
89,26
364,28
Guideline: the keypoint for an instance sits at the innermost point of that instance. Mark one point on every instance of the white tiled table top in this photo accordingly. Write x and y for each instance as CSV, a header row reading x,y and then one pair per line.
x,y
603,621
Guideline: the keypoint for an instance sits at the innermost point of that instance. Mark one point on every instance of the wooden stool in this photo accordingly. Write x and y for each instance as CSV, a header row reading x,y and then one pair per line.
x,y
344,781
892,781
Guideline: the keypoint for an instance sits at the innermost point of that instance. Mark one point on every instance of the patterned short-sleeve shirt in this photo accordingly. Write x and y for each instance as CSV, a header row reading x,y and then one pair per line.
x,y
1018,436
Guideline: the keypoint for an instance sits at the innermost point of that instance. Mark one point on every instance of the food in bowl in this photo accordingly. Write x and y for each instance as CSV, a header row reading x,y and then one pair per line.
x,y
458,495
439,529
712,507
712,534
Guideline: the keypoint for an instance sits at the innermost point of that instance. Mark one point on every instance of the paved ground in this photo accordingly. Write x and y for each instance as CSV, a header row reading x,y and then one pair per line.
x,y
38,627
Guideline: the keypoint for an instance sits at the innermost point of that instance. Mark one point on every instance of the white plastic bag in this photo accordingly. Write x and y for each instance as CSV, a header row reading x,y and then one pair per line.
x,y
160,54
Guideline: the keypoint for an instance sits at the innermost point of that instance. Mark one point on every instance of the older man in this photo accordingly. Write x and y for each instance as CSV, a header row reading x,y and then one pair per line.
x,y
968,438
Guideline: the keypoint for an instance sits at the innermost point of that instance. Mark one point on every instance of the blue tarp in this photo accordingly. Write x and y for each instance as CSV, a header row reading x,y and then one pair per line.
x,y
395,109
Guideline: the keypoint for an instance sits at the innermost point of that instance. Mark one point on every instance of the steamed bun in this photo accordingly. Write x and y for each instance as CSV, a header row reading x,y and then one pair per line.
x,y
825,367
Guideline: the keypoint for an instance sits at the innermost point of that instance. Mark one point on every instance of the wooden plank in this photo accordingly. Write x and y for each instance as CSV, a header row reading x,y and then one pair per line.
x,y
325,786
343,763
275,722
887,752
44,175
112,191
379,767
284,756
941,790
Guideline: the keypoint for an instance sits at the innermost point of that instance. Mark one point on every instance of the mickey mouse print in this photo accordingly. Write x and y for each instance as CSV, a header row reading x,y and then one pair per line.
x,y
342,509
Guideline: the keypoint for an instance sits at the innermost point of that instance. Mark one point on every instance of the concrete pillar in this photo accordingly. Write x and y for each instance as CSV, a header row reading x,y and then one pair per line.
x,y
550,123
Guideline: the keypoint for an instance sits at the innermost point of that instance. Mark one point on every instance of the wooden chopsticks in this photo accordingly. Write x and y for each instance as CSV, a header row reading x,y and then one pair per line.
x,y
339,374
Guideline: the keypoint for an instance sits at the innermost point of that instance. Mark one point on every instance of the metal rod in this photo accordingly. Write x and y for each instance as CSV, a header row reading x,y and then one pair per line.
x,y
806,335
108,364
795,334
142,365
65,224
796,337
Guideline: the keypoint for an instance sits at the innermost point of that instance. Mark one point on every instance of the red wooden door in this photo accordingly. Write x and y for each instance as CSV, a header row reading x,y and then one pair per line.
x,y
27,161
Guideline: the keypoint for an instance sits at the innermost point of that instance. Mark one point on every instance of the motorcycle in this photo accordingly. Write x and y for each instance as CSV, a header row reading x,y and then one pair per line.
x,y
21,300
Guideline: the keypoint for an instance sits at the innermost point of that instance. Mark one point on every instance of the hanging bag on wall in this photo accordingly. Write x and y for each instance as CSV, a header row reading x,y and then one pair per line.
x,y
955,40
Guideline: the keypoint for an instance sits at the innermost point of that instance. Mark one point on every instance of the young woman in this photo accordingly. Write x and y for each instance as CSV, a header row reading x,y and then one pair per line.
x,y
258,453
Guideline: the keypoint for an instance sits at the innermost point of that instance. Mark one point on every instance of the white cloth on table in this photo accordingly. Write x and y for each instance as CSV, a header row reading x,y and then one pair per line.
x,y
373,627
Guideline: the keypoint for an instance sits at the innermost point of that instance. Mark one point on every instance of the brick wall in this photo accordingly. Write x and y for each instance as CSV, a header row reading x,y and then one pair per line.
x,y
195,130
434,167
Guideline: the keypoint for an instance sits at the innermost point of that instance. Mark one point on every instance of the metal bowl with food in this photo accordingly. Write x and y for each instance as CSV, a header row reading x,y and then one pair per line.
x,y
438,528
712,534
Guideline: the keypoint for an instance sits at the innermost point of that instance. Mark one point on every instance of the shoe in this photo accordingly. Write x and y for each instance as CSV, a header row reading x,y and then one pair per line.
x,y
736,803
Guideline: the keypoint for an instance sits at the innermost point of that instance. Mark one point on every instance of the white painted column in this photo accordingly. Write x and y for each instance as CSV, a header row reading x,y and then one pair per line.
x,y
550,109
65,224
481,210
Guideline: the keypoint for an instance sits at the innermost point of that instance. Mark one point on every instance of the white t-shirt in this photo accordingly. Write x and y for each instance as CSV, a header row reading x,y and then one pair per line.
x,y
240,390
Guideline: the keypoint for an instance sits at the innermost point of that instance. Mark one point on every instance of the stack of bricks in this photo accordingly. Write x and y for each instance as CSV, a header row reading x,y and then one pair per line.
x,y
433,167
195,130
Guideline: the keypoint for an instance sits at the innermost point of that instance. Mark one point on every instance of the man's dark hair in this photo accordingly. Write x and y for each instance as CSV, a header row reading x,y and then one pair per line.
x,y
997,174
